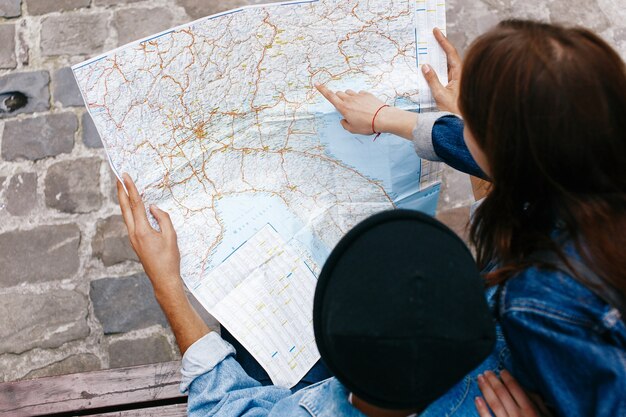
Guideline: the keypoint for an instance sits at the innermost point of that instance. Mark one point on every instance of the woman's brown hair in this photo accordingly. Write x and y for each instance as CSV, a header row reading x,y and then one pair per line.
x,y
547,106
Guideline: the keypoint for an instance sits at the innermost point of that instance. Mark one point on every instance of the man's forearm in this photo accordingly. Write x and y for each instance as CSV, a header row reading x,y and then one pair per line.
x,y
185,322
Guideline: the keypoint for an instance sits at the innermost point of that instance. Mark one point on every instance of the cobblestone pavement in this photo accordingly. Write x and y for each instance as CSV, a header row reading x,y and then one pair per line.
x,y
72,294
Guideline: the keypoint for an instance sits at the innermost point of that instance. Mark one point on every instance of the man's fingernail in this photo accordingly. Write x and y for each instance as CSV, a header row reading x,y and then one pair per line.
x,y
425,68
317,84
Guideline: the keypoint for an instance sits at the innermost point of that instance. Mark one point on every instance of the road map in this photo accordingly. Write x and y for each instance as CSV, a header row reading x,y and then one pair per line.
x,y
219,124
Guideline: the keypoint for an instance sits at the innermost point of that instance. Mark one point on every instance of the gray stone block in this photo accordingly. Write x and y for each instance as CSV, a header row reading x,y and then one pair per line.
x,y
577,12
152,21
125,304
3,204
65,90
110,243
457,219
74,33
113,190
83,362
41,320
74,186
10,8
22,44
151,349
107,3
46,253
39,137
91,138
201,8
34,85
7,47
456,190
21,194
39,7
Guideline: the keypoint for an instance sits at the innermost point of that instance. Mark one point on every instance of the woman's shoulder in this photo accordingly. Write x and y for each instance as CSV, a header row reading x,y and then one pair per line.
x,y
548,294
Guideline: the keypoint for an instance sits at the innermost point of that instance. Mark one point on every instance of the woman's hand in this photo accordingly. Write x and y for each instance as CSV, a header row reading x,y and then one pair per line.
x,y
503,396
157,251
357,109
445,97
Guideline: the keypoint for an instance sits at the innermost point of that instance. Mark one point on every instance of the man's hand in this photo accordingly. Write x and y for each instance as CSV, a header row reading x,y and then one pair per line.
x,y
445,97
160,257
157,251
505,397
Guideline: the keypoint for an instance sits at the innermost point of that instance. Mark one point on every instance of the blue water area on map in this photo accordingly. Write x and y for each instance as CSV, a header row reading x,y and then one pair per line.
x,y
389,159
247,214
250,213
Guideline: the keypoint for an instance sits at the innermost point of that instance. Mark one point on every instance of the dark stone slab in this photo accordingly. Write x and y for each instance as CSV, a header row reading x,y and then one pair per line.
x,y
110,243
65,90
46,253
39,137
33,85
91,138
74,186
151,349
125,304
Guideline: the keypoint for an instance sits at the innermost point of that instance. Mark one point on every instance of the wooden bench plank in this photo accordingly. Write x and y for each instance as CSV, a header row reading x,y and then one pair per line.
x,y
91,390
176,410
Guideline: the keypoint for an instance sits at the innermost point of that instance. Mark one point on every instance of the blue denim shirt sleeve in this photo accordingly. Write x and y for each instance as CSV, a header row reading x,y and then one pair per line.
x,y
217,385
439,137
566,344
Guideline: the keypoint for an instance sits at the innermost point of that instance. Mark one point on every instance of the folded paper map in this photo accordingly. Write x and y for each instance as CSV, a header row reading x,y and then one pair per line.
x,y
220,125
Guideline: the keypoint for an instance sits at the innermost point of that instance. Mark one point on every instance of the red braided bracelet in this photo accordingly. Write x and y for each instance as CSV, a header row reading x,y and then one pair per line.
x,y
374,119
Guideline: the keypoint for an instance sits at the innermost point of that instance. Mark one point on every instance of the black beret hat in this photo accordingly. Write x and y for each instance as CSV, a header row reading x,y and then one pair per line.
x,y
399,313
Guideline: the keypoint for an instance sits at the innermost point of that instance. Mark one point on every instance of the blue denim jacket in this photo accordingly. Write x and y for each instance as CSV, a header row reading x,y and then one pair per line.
x,y
218,386
566,344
